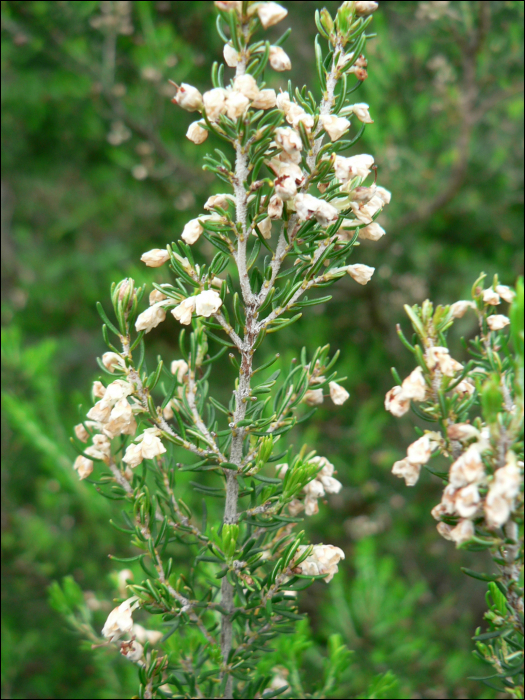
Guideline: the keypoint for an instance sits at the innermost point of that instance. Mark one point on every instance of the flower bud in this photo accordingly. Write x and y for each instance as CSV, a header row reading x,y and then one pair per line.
x,y
266,99
313,397
361,112
407,471
83,466
155,296
334,126
247,85
362,274
419,451
270,13
497,322
275,207
506,293
192,231
372,232
207,303
279,59
155,257
491,297
338,394
236,104
151,318
363,9
265,227
396,402
183,312
189,98
197,133
231,56
460,308
214,102
111,361
98,389
81,432
180,368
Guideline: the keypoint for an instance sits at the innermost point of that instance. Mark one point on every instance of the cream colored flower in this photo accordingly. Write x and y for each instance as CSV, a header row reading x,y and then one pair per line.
x,y
406,470
459,308
463,532
288,139
440,357
497,322
132,650
275,207
180,368
231,56
111,361
270,13
228,5
507,479
323,560
361,112
396,402
99,389
189,98
247,85
295,507
363,9
83,466
419,451
307,206
150,318
155,257
155,296
325,213
117,390
467,501
365,211
265,227
372,232
465,388
334,126
362,274
266,99
218,200
384,194
197,133
192,231
311,507
491,297
279,59
467,469
285,187
151,445
207,303
283,101
313,397
101,443
100,411
133,456
183,312
338,394
355,166
236,104
120,620
414,386
462,432
214,102
121,420
506,293
81,433
296,115
497,509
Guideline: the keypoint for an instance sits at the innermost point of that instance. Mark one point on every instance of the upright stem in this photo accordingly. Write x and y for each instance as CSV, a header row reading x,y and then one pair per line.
x,y
243,388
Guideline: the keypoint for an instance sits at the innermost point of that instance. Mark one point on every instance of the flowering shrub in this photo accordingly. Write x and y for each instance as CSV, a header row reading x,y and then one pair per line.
x,y
478,409
290,217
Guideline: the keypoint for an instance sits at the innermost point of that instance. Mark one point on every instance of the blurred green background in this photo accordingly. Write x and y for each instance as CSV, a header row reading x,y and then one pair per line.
x,y
96,170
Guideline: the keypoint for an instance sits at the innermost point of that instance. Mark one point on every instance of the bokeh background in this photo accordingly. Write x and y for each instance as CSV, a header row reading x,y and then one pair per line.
x,y
96,170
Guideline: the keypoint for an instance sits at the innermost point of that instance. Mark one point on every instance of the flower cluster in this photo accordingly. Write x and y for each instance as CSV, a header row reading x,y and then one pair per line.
x,y
119,623
484,479
323,483
322,561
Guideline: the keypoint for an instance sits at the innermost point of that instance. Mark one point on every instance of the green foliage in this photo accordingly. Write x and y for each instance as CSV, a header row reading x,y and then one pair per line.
x,y
75,216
